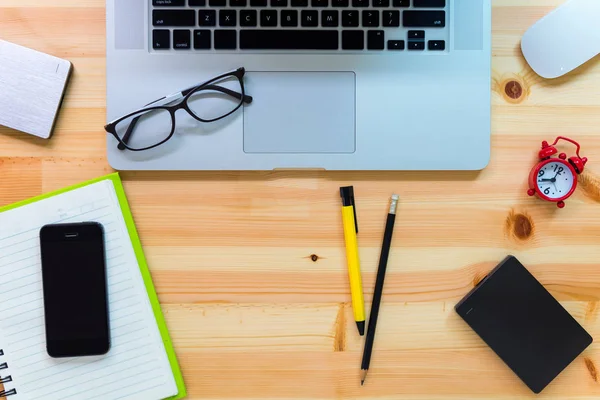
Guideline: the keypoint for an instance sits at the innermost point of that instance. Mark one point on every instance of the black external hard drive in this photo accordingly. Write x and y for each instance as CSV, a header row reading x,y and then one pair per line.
x,y
524,325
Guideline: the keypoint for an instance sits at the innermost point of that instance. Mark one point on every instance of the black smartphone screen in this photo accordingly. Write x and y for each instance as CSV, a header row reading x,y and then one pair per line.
x,y
75,291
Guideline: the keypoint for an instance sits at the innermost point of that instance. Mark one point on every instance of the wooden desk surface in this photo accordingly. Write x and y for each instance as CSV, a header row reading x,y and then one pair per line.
x,y
250,266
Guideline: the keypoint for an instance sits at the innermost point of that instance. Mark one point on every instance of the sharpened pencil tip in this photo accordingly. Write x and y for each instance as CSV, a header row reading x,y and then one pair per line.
x,y
363,376
362,383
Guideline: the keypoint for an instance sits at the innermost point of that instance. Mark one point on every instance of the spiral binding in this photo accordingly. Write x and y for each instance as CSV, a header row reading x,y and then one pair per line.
x,y
5,379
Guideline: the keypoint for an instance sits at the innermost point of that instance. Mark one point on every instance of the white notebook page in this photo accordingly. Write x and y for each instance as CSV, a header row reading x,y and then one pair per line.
x,y
136,367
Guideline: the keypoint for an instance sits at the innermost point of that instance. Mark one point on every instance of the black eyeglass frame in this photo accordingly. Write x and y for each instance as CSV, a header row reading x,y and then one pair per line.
x,y
181,104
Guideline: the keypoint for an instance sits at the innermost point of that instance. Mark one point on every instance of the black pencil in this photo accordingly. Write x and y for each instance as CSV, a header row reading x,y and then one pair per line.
x,y
383,258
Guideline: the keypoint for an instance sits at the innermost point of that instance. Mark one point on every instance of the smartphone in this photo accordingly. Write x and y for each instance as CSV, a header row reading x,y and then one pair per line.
x,y
75,290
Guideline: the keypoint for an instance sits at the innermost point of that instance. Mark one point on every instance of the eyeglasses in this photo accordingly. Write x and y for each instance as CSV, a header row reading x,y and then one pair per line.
x,y
154,124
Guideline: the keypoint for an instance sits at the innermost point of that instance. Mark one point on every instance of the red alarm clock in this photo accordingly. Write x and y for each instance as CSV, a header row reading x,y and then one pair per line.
x,y
555,178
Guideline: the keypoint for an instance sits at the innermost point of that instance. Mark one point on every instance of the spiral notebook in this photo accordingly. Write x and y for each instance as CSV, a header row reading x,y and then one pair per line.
x,y
141,364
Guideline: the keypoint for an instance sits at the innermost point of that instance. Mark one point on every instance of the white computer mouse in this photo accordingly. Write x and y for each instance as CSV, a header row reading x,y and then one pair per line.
x,y
564,39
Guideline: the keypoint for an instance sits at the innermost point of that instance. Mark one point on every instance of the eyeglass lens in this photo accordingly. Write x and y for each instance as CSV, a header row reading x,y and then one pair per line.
x,y
149,128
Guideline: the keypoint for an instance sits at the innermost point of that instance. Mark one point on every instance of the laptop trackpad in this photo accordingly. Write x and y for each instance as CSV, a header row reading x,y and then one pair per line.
x,y
300,112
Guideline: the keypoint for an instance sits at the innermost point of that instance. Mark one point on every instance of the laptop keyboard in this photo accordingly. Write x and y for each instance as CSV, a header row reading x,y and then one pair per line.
x,y
317,25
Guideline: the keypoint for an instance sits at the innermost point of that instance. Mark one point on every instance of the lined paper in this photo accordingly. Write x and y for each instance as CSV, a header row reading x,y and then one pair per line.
x,y
136,367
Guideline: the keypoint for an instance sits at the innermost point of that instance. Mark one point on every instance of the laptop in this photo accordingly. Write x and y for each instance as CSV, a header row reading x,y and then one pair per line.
x,y
335,84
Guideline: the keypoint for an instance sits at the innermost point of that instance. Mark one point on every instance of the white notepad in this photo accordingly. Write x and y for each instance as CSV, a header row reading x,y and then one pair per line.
x,y
136,367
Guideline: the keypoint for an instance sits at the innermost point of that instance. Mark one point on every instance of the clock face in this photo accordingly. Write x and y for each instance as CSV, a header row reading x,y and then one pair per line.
x,y
555,180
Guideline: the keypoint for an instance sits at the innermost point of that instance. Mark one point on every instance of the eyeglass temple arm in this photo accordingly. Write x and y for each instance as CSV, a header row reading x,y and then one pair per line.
x,y
247,99
168,99
179,95
163,101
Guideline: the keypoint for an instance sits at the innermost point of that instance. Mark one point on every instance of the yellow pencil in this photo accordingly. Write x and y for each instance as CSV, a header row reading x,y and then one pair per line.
x,y
350,231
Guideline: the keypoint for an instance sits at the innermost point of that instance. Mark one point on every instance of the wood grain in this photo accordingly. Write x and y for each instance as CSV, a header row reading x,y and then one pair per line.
x,y
250,266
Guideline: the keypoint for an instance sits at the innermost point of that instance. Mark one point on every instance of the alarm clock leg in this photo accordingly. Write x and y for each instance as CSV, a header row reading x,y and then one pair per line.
x,y
531,192
560,204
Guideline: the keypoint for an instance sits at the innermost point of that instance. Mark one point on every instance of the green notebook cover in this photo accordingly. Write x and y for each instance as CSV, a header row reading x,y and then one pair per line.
x,y
139,253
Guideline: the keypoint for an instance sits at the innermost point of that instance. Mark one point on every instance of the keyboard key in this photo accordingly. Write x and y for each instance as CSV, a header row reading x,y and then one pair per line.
x,y
391,18
329,18
202,39
435,19
258,3
299,3
375,40
353,40
225,39
207,17
279,3
370,18
286,39
416,34
181,39
268,18
227,18
237,3
197,3
289,18
401,3
381,3
430,3
168,3
395,44
173,17
217,3
309,18
350,18
340,3
248,18
436,45
319,3
420,45
161,39
360,3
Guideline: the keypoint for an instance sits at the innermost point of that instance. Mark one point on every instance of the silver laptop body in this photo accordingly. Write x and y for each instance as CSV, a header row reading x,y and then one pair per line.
x,y
354,85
